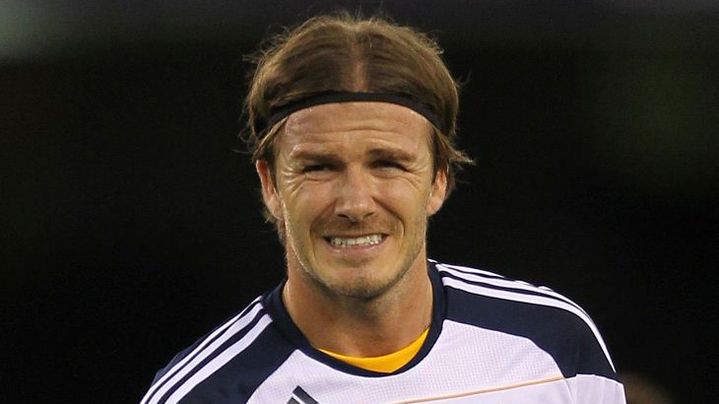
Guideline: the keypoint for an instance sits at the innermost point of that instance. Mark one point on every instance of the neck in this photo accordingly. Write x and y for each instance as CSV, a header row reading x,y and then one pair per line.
x,y
357,326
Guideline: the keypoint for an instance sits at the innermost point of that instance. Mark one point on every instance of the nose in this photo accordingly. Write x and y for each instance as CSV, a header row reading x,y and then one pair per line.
x,y
355,200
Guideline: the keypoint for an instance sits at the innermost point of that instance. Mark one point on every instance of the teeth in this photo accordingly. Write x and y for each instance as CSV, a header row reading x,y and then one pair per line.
x,y
372,239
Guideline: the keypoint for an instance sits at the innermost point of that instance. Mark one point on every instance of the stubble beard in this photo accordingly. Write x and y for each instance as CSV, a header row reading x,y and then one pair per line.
x,y
364,289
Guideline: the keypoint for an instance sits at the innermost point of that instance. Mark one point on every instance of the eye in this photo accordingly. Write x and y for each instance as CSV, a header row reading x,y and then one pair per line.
x,y
317,168
314,167
388,164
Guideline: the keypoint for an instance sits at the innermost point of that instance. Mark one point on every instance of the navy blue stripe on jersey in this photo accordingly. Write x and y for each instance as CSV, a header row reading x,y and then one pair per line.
x,y
255,364
538,300
553,326
302,395
503,284
190,361
214,361
181,360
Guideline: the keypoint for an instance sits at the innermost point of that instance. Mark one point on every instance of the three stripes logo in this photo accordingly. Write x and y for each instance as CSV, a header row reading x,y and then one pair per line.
x,y
300,396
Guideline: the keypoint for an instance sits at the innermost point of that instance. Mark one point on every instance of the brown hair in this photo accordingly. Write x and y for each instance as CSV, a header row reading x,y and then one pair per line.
x,y
345,53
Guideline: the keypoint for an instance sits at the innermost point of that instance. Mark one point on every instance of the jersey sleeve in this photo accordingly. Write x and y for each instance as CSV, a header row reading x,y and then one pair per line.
x,y
593,378
596,389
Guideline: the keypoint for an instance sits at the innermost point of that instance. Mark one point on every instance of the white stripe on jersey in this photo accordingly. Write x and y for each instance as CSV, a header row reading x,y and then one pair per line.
x,y
221,359
539,300
482,272
505,283
465,395
230,328
460,267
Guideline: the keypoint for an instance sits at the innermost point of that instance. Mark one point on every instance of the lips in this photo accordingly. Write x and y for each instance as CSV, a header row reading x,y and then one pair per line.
x,y
366,240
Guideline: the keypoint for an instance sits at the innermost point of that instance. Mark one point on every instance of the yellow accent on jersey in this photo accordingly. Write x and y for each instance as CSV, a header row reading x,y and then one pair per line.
x,y
385,363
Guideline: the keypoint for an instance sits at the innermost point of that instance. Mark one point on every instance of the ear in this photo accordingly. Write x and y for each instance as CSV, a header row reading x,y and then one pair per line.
x,y
438,193
269,191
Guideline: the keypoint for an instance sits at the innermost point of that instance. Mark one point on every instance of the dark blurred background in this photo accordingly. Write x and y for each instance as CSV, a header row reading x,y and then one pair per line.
x,y
129,227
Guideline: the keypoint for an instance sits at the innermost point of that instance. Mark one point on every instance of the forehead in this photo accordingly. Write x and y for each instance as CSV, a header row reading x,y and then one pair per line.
x,y
354,122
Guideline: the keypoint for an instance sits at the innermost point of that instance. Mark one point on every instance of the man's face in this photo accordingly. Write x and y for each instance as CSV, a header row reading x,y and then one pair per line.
x,y
354,187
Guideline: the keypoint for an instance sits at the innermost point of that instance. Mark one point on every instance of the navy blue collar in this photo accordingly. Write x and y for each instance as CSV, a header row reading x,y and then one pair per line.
x,y
272,301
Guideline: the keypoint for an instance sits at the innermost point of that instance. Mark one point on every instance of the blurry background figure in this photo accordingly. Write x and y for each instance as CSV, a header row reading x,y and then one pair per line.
x,y
641,390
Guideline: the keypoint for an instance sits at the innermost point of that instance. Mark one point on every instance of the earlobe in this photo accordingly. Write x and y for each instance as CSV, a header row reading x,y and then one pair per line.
x,y
437,193
269,191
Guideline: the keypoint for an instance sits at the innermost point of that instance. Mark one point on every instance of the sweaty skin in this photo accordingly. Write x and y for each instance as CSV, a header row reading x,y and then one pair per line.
x,y
354,188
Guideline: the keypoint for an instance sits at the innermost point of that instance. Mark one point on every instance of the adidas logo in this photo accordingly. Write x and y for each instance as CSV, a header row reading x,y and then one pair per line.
x,y
300,396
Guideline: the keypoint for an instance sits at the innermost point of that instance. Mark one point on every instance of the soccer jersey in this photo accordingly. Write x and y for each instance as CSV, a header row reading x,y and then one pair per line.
x,y
492,340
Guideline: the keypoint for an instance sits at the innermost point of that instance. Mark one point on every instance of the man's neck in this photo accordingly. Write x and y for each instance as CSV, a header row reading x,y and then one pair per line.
x,y
362,327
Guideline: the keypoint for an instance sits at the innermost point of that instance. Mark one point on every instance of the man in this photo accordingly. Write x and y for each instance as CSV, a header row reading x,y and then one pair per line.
x,y
351,125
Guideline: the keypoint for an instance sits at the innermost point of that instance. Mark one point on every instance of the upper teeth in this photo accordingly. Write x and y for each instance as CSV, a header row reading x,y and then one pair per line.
x,y
359,241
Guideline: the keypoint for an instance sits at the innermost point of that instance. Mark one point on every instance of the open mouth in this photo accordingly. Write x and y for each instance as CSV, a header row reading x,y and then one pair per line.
x,y
361,241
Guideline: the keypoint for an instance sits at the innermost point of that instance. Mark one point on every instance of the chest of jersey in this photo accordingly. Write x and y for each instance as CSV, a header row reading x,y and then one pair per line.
x,y
466,364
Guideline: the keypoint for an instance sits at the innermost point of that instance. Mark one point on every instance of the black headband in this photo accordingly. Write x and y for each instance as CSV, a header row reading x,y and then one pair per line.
x,y
330,97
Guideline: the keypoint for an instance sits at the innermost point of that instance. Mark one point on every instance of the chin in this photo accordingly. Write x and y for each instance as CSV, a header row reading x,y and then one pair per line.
x,y
362,288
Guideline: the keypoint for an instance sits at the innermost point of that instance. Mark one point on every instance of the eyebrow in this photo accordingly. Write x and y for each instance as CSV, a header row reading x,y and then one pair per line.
x,y
313,155
394,154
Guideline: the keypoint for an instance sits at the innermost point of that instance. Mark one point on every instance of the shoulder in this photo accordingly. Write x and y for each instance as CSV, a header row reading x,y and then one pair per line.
x,y
550,320
238,346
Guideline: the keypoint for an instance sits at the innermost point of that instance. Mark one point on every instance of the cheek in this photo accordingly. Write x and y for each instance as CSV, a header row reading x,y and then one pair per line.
x,y
405,197
306,201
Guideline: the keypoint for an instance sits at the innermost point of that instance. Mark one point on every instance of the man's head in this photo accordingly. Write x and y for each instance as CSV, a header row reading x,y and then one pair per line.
x,y
342,53
351,126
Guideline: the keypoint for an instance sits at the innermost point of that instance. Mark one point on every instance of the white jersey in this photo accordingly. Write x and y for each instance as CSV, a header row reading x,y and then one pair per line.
x,y
492,340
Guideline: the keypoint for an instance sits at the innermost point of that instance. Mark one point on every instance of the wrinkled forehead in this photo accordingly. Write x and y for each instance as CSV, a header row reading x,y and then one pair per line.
x,y
355,126
354,116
